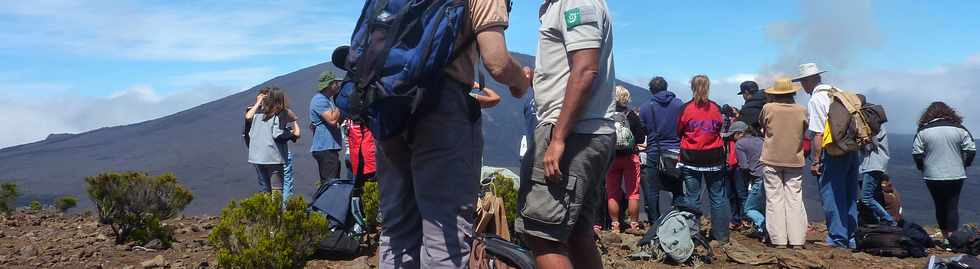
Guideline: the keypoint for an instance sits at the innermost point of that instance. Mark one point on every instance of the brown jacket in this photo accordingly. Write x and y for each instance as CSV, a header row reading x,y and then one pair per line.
x,y
784,126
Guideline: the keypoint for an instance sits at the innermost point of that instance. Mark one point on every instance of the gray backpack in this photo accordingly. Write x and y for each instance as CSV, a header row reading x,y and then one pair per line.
x,y
676,236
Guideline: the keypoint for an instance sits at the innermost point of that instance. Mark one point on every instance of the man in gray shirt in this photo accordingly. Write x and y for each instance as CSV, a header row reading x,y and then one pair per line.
x,y
574,138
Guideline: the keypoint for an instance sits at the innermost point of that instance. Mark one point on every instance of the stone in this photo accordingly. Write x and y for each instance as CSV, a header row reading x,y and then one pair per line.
x,y
101,237
28,251
154,244
156,262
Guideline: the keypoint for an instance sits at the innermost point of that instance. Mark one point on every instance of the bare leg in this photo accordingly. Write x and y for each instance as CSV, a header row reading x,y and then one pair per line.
x,y
633,210
613,206
582,247
550,254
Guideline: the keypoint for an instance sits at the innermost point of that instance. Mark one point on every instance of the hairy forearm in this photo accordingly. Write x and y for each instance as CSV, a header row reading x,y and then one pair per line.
x,y
498,61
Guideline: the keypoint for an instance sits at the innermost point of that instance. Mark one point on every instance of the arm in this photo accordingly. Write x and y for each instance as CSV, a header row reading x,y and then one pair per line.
x,y
969,149
584,70
331,116
251,111
296,129
918,152
491,99
500,64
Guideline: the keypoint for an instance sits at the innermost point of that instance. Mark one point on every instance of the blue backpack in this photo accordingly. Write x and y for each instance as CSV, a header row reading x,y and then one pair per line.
x,y
395,64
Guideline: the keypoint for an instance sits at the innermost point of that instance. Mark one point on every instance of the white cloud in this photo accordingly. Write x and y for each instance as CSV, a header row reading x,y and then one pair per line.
x,y
739,78
238,78
32,118
196,31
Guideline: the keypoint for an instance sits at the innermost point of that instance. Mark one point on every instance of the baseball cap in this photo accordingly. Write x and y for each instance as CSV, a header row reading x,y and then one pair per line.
x,y
748,86
737,126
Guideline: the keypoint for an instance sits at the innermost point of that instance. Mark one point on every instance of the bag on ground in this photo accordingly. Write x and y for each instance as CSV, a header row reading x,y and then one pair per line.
x,y
919,240
966,240
492,247
882,240
676,235
397,55
338,201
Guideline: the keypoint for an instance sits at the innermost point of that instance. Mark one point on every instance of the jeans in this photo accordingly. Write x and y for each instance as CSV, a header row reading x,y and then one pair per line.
x,y
287,179
717,193
429,185
870,187
651,185
755,203
838,190
737,193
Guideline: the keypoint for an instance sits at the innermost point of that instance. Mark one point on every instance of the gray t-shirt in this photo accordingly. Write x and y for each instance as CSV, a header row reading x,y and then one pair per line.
x,y
567,26
262,148
942,148
749,153
875,156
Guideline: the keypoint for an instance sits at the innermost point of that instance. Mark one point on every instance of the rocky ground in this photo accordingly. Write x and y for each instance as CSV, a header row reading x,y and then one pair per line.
x,y
54,240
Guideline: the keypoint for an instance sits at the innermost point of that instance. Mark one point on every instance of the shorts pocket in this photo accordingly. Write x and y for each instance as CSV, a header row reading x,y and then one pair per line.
x,y
548,203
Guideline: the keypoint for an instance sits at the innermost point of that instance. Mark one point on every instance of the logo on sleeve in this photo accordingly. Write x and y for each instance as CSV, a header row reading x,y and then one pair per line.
x,y
579,16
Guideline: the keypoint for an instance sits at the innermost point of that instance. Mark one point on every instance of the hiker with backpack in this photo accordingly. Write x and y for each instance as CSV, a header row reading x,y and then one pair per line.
x,y
660,173
575,137
625,170
837,170
874,165
784,124
702,156
409,78
287,175
325,122
942,150
273,124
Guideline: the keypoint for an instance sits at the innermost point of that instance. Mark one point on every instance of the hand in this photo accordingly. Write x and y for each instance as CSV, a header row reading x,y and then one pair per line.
x,y
476,85
552,156
259,98
816,169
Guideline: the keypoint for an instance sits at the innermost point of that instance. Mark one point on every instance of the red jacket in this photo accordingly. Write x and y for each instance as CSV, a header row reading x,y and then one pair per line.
x,y
700,130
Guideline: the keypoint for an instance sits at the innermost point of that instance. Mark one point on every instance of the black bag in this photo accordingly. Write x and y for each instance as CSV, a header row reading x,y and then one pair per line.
x,y
336,199
666,160
965,240
882,240
919,240
508,252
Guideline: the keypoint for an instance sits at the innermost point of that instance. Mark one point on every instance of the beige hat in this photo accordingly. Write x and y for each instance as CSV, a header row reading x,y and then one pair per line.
x,y
783,86
808,70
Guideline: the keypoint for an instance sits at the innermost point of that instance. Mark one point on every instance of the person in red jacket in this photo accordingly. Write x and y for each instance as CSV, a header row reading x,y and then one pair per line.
x,y
703,156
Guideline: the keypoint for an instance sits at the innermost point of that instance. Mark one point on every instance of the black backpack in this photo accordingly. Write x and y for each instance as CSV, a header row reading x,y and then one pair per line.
x,y
339,201
965,241
882,240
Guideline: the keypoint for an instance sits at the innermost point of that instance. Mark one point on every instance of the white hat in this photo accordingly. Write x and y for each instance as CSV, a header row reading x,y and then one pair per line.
x,y
808,70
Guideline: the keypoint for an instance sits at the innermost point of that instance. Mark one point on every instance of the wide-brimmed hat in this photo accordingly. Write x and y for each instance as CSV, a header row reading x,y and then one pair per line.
x,y
808,70
783,86
326,78
748,87
737,126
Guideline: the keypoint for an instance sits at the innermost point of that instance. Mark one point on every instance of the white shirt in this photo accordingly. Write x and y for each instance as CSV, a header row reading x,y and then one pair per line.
x,y
818,107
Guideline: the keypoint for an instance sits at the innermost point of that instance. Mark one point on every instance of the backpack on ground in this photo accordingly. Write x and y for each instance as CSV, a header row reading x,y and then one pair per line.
x,y
919,240
676,236
891,200
882,240
966,240
849,126
339,200
492,247
625,142
396,62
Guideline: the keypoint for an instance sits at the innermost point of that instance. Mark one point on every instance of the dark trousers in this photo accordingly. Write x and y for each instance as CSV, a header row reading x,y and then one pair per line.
x,y
652,183
328,162
946,196
738,191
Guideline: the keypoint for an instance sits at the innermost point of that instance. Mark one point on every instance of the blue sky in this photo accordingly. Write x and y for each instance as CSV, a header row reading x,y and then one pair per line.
x,y
62,59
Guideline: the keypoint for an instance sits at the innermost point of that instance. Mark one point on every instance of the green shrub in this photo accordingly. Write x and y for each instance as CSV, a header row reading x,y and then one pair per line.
x,y
65,203
35,206
370,202
134,204
8,195
258,233
506,191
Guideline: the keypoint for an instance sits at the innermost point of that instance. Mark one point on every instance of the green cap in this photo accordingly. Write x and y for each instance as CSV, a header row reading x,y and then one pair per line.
x,y
325,79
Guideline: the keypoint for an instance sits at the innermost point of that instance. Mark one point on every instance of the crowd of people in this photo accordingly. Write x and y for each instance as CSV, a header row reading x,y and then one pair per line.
x,y
584,140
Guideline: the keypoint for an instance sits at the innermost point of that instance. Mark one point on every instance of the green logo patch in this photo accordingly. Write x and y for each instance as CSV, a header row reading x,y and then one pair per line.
x,y
573,17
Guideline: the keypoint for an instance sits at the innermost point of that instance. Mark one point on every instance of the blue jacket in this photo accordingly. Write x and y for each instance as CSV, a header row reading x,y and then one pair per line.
x,y
660,117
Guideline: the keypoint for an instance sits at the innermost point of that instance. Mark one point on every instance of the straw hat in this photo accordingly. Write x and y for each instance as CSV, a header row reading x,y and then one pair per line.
x,y
783,86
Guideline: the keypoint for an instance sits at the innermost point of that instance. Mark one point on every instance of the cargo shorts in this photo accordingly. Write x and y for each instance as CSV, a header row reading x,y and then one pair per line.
x,y
551,210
